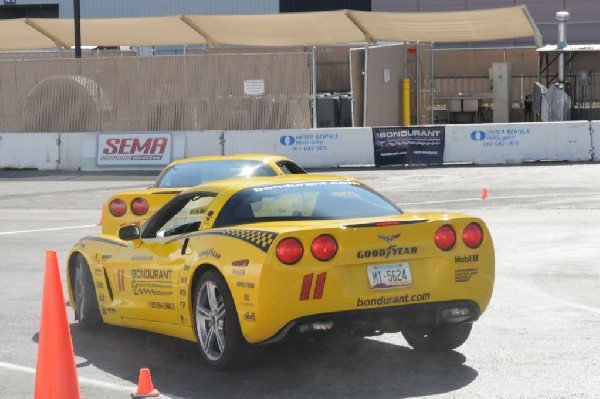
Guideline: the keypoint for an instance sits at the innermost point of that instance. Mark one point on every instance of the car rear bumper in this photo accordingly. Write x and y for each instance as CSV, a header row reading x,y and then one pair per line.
x,y
375,321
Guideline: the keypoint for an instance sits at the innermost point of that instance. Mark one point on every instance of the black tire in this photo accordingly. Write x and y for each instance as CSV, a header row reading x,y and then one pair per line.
x,y
216,323
441,339
87,311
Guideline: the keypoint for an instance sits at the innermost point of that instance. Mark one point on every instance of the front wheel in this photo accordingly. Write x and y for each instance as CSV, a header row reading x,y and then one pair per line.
x,y
216,322
87,312
440,339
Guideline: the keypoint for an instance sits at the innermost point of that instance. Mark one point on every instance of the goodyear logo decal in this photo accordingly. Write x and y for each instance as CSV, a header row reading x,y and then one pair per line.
x,y
260,239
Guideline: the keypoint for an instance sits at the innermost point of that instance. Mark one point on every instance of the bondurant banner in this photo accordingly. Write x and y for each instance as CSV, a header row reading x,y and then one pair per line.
x,y
407,145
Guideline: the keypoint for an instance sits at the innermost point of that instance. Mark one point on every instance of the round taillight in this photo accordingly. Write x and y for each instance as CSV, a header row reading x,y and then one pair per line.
x,y
472,235
445,237
117,207
289,250
324,247
139,206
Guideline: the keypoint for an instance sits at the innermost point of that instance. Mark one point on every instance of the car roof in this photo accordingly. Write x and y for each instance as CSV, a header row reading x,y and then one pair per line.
x,y
251,157
238,184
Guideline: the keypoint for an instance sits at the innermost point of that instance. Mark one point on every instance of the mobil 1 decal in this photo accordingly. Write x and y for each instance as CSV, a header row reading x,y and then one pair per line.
x,y
409,145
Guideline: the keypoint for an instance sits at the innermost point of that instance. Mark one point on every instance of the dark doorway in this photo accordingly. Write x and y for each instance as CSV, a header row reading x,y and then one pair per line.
x,y
320,5
8,11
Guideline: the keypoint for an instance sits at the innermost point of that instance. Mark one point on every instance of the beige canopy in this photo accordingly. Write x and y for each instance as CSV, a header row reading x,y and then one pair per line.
x,y
286,29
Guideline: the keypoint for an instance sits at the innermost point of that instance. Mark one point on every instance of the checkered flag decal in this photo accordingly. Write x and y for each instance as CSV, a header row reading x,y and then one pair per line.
x,y
260,239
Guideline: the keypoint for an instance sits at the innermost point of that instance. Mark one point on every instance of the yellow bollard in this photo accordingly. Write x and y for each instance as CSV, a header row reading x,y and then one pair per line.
x,y
406,102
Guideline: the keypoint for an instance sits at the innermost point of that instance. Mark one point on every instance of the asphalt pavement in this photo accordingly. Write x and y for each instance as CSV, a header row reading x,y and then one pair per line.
x,y
538,338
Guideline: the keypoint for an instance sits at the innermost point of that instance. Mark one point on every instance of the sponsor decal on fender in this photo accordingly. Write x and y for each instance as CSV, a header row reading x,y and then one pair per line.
x,y
464,275
245,284
210,253
392,300
151,274
386,252
466,258
161,305
151,288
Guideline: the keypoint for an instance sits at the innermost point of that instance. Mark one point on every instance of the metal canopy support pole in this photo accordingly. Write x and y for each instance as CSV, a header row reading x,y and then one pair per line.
x,y
314,86
77,21
431,83
365,88
418,85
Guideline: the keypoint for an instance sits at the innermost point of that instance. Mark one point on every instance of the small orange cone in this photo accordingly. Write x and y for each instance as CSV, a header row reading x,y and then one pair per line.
x,y
145,388
484,193
101,215
56,374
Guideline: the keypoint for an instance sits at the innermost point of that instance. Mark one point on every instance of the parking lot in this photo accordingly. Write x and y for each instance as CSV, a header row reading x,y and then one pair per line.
x,y
538,338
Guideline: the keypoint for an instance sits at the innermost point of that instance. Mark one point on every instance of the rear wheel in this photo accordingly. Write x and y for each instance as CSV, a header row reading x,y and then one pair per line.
x,y
440,339
216,322
87,312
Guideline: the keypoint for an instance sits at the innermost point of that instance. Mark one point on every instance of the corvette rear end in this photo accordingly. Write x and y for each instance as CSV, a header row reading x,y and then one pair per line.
x,y
409,273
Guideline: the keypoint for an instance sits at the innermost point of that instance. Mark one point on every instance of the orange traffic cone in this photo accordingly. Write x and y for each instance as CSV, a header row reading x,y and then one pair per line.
x,y
484,193
101,215
145,387
56,374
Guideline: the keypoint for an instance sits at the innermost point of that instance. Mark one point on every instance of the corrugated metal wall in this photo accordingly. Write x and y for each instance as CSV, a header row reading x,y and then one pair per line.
x,y
150,8
193,92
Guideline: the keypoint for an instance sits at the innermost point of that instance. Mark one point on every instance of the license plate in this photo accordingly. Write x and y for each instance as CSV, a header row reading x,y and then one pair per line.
x,y
396,275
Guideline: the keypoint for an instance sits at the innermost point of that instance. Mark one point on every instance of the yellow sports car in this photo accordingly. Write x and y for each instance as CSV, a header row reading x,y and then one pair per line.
x,y
136,206
252,261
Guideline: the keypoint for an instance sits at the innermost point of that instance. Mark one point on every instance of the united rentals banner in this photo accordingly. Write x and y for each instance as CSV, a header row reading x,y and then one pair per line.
x,y
409,145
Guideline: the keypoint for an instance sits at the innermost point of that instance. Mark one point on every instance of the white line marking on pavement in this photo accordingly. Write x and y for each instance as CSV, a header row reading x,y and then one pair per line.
x,y
496,198
82,380
85,226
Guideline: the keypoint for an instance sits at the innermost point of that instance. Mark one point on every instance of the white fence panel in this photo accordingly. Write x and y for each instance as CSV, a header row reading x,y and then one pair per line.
x,y
29,150
311,148
595,127
518,142
71,145
204,143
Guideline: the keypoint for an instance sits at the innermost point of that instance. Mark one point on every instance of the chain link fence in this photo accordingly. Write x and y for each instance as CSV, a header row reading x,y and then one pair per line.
x,y
124,93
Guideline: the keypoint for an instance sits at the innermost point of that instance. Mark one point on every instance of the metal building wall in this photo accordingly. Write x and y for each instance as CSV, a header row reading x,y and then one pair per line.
x,y
150,8
320,5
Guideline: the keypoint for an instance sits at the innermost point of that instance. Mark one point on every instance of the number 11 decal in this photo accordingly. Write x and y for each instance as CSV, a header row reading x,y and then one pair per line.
x,y
307,286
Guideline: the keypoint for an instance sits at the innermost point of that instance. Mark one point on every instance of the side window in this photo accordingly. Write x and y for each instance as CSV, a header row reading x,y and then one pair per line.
x,y
188,219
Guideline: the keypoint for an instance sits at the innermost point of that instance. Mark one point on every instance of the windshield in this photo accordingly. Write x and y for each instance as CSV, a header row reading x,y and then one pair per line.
x,y
313,200
189,174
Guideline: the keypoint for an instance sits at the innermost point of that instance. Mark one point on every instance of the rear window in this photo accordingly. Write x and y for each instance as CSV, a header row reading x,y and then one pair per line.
x,y
194,173
290,168
318,200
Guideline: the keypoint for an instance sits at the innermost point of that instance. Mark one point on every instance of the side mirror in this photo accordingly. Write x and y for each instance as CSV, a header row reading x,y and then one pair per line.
x,y
129,233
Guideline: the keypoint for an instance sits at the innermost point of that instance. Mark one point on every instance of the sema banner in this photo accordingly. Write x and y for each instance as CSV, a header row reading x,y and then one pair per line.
x,y
418,145
134,149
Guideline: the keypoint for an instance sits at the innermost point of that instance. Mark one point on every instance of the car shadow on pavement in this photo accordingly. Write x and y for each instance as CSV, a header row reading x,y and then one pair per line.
x,y
352,368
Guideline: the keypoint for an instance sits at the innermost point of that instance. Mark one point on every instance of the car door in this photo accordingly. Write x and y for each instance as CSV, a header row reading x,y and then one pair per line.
x,y
147,275
148,272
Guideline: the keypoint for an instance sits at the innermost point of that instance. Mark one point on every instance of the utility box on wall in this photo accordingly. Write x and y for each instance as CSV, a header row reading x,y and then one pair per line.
x,y
501,80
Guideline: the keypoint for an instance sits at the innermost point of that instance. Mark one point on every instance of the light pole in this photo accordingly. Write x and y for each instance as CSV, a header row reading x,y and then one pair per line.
x,y
77,20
